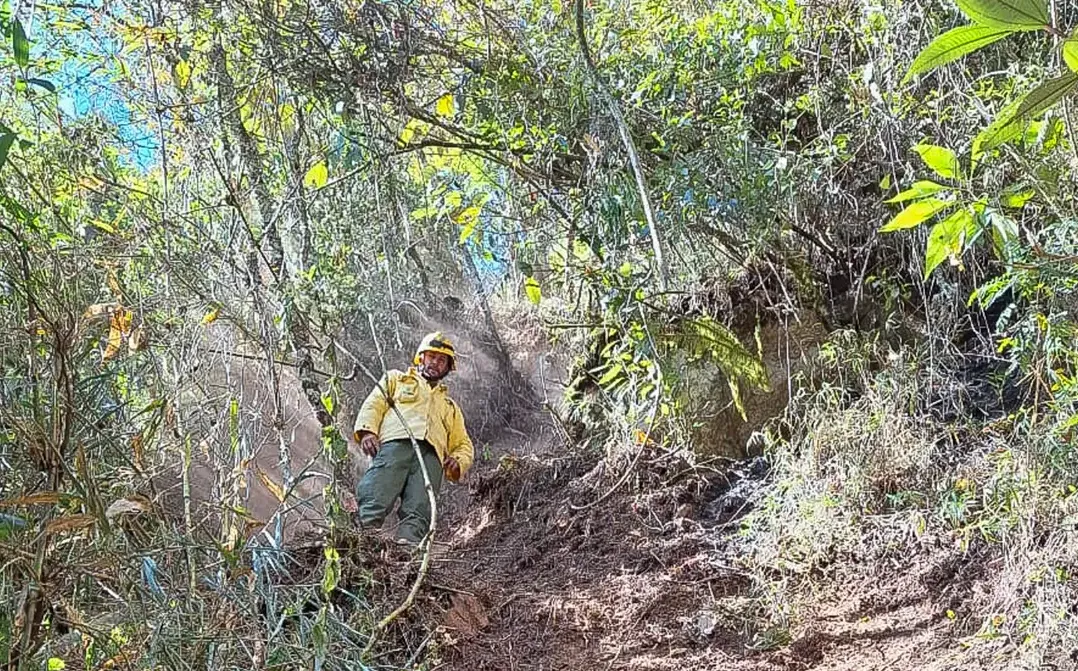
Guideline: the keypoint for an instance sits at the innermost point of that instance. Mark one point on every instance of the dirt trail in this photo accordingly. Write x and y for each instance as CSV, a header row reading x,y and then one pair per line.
x,y
525,582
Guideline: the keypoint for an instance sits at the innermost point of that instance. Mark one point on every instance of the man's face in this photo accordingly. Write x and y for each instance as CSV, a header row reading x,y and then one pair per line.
x,y
433,365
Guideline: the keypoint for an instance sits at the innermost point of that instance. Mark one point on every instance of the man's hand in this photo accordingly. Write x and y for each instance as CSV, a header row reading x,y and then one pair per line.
x,y
369,443
451,469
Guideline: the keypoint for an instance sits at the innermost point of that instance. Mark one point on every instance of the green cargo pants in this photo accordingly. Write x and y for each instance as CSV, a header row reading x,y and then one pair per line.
x,y
395,473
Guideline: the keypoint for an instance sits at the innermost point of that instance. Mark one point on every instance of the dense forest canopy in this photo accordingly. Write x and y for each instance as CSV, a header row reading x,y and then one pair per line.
x,y
843,234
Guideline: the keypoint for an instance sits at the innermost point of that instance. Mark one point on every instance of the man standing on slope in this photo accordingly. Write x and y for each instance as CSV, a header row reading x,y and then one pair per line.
x,y
428,415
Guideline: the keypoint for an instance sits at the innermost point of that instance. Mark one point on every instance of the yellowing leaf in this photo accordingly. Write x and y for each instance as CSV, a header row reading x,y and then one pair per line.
x,y
137,449
942,160
414,128
915,214
317,176
211,316
35,499
274,488
119,327
183,74
113,281
445,106
532,289
468,219
56,664
70,523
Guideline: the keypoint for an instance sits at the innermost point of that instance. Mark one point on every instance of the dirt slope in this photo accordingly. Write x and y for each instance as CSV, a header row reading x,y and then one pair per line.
x,y
526,581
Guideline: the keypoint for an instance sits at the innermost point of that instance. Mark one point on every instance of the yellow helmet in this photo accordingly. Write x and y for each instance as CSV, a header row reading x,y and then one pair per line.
x,y
436,342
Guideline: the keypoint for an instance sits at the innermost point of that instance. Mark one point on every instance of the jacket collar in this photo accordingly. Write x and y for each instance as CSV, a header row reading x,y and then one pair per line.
x,y
414,372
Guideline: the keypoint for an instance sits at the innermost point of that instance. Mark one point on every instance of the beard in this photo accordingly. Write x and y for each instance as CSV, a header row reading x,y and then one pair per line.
x,y
429,376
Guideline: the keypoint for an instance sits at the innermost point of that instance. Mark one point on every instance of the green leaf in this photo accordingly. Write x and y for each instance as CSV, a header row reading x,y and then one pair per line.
x,y
468,219
1070,53
1003,231
42,83
1014,118
104,226
55,664
1008,14
20,44
317,176
952,45
942,160
445,107
918,190
6,140
948,238
332,572
422,213
1017,199
532,289
610,375
16,210
915,214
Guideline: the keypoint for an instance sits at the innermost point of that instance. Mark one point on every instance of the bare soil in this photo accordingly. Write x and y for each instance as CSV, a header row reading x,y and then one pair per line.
x,y
531,574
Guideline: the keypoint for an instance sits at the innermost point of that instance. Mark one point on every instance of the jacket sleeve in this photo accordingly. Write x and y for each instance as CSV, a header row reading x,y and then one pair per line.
x,y
376,405
460,445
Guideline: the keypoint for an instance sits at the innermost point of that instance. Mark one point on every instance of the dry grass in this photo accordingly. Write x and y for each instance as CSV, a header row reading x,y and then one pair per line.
x,y
873,501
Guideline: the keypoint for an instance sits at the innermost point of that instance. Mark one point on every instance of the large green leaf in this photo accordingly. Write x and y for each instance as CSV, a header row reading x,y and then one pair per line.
x,y
19,44
917,191
1014,118
952,45
915,214
948,239
1007,14
941,159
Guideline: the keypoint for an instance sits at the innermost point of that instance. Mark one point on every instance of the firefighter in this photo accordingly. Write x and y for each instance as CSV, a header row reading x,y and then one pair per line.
x,y
427,413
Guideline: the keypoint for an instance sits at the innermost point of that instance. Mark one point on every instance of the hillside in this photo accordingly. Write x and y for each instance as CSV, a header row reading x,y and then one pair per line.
x,y
764,314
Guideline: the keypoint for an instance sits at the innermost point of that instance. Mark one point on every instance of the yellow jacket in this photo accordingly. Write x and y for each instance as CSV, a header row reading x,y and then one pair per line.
x,y
428,412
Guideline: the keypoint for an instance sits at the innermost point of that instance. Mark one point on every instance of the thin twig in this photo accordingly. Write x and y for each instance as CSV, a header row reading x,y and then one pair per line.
x,y
628,471
627,140
428,540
